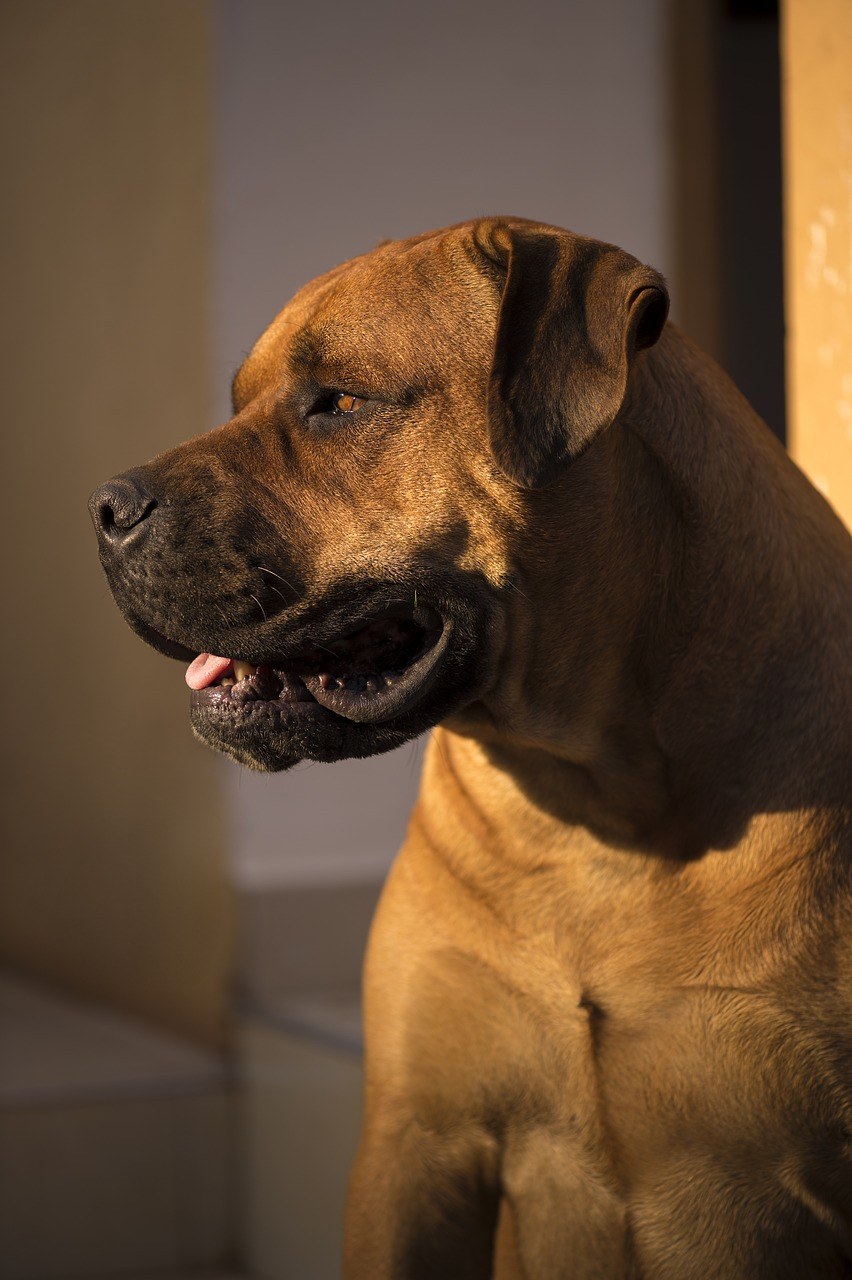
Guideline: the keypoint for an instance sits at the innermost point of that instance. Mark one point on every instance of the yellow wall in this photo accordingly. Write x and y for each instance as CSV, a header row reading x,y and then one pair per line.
x,y
817,73
112,869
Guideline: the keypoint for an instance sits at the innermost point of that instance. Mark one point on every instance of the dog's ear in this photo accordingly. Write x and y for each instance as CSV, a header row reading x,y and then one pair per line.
x,y
573,314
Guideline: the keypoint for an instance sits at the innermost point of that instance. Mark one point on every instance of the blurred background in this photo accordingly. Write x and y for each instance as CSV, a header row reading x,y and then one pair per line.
x,y
181,941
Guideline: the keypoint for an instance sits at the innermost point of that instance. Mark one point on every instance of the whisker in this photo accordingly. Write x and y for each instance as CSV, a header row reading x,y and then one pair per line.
x,y
260,607
263,569
324,648
222,614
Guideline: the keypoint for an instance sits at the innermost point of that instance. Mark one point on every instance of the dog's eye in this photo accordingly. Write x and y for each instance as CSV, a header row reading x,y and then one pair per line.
x,y
345,402
334,404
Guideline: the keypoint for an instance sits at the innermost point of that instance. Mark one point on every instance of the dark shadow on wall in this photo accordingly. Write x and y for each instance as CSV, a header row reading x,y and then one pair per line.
x,y
726,96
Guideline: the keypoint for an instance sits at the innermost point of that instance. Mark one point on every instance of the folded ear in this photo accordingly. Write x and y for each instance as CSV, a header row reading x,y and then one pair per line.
x,y
573,314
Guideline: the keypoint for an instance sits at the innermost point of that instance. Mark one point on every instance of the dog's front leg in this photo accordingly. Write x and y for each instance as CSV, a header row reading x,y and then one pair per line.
x,y
422,1205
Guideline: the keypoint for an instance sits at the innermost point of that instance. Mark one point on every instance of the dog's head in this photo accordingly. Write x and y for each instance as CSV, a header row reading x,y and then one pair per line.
x,y
337,563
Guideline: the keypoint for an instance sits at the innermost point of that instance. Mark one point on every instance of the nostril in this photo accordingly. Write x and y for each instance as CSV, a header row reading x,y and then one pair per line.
x,y
106,517
119,507
126,515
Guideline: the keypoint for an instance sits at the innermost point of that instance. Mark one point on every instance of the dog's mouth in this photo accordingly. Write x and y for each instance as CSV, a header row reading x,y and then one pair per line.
x,y
373,673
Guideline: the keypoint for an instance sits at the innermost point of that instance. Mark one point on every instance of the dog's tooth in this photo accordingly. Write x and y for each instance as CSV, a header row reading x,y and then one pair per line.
x,y
242,670
227,682
325,679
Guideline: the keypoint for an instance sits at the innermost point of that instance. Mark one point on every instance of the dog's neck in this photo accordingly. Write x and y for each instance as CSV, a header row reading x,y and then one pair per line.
x,y
683,683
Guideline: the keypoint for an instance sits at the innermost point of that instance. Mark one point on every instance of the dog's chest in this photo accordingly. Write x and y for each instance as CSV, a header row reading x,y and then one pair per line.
x,y
639,1115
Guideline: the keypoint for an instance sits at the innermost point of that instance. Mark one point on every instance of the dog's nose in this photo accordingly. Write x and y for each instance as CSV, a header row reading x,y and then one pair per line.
x,y
120,510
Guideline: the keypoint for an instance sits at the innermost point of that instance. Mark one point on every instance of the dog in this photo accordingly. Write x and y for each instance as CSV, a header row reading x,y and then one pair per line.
x,y
475,482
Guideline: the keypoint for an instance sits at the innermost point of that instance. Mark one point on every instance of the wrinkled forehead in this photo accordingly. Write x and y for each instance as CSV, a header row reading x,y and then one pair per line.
x,y
408,311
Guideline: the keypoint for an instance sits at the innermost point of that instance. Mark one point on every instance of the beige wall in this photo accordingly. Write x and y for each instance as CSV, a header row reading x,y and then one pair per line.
x,y
817,73
112,876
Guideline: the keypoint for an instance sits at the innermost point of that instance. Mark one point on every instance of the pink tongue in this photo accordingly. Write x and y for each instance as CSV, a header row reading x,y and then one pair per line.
x,y
204,669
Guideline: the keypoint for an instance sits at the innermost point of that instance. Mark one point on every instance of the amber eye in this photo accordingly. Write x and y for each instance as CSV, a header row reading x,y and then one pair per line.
x,y
345,402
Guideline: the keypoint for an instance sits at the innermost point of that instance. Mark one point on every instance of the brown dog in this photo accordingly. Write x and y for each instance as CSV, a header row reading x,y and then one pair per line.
x,y
609,987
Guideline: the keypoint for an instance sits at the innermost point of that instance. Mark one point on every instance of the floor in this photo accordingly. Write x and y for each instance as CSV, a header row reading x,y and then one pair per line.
x,y
128,1154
